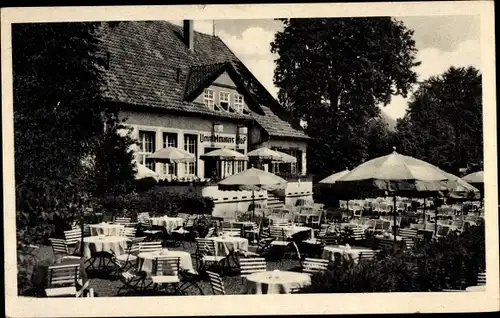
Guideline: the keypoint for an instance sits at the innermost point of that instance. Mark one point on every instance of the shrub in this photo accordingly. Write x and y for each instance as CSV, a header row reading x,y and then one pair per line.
x,y
450,262
159,203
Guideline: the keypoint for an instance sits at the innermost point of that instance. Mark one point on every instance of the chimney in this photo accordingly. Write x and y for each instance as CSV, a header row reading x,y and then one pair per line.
x,y
189,34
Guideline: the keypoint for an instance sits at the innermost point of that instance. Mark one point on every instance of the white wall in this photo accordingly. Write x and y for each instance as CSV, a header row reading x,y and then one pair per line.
x,y
228,202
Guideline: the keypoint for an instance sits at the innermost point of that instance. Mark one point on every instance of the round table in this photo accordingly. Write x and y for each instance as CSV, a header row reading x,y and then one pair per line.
x,y
106,229
145,260
291,230
169,223
275,282
476,288
354,251
115,245
225,245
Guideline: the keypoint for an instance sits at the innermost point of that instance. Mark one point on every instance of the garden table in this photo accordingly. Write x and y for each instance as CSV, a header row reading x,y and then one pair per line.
x,y
115,245
145,260
290,230
354,251
226,245
275,282
169,223
106,229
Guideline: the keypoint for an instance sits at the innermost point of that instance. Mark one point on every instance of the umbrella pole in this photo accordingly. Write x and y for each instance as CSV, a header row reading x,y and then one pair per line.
x,y
425,207
435,217
82,220
253,204
394,215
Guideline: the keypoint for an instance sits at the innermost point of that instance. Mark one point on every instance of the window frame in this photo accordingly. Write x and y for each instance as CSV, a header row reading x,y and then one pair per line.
x,y
142,151
238,107
206,99
191,165
221,92
170,169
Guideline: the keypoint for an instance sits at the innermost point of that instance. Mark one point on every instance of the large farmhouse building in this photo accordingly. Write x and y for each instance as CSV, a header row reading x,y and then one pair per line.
x,y
181,88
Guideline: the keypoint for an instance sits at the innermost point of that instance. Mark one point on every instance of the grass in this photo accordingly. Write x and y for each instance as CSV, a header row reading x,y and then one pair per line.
x,y
233,284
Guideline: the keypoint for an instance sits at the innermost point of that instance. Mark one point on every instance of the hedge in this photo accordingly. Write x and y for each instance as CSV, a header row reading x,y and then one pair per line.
x,y
158,203
452,262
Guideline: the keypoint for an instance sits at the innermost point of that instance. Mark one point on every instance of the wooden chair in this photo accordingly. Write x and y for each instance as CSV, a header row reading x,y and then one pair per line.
x,y
149,231
210,232
206,255
63,280
60,247
216,283
278,234
314,265
129,232
148,247
132,281
73,237
253,232
166,272
481,279
234,231
129,259
329,239
252,265
122,221
367,255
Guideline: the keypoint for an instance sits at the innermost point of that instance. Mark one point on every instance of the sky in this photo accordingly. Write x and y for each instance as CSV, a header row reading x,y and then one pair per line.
x,y
442,41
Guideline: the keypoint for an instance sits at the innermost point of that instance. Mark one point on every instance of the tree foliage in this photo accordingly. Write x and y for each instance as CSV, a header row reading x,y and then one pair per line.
x,y
59,117
443,124
333,73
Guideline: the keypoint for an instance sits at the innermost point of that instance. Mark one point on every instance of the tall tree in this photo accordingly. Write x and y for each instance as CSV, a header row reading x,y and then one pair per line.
x,y
59,116
333,73
443,124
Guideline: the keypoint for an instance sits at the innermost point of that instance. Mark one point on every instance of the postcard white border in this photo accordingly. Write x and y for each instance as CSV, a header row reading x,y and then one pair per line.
x,y
256,305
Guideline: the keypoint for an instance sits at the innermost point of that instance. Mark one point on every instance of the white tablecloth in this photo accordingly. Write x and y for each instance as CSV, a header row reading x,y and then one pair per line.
x,y
168,223
275,282
145,260
106,229
112,244
291,230
226,245
354,251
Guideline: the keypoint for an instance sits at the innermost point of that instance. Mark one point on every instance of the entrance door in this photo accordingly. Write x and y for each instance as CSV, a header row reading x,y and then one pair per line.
x,y
210,165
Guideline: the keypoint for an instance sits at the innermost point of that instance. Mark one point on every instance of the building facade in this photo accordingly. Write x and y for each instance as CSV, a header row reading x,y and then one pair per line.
x,y
179,88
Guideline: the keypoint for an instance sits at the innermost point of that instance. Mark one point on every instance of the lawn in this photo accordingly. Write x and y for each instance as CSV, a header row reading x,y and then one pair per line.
x,y
108,286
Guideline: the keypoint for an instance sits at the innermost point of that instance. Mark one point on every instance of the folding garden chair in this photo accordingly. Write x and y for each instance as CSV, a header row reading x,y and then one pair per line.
x,y
249,266
481,279
206,255
60,247
314,265
148,247
130,232
129,259
122,221
133,281
73,237
216,283
63,281
148,230
189,281
366,255
166,273
211,232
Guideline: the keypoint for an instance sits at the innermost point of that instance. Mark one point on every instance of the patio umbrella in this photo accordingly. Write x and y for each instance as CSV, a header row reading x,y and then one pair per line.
x,y
286,158
171,155
458,188
476,177
264,153
395,174
252,180
224,154
334,177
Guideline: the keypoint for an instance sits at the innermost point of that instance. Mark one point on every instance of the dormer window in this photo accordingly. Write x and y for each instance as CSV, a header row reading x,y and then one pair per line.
x,y
208,98
238,103
224,100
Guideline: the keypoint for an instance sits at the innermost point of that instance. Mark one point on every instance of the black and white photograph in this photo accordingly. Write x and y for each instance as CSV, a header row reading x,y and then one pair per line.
x,y
334,155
